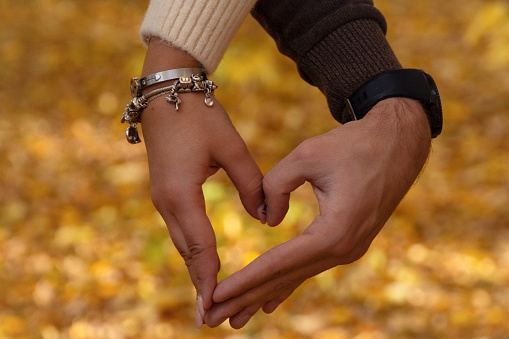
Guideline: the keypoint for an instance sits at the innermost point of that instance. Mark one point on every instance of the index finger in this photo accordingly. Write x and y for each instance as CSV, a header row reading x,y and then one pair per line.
x,y
284,258
184,213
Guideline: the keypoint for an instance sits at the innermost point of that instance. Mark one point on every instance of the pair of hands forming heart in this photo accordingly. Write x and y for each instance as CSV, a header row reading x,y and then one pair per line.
x,y
359,173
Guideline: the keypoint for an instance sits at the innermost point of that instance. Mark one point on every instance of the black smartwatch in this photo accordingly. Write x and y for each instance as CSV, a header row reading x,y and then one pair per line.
x,y
406,83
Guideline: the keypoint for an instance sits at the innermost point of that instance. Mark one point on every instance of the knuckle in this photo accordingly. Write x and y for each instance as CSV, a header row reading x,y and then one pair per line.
x,y
188,258
307,149
195,252
272,183
269,184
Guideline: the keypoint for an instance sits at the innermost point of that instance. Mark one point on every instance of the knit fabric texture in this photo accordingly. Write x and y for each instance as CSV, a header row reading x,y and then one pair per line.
x,y
202,28
346,59
337,44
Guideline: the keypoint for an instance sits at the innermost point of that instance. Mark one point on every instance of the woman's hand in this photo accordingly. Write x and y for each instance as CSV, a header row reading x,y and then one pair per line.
x,y
185,147
359,173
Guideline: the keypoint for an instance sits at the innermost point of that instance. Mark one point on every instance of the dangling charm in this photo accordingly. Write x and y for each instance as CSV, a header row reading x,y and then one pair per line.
x,y
209,101
174,98
209,89
131,134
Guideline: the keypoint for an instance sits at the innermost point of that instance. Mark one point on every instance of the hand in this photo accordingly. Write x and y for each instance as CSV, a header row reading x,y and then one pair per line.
x,y
184,148
359,172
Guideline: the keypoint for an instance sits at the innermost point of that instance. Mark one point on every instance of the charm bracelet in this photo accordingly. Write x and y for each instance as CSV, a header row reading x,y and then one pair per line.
x,y
186,80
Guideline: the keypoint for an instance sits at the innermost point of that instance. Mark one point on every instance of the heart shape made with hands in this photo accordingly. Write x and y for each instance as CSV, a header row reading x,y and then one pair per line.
x,y
359,173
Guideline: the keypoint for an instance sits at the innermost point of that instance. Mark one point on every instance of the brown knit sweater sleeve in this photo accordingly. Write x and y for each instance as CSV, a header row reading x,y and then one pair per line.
x,y
337,44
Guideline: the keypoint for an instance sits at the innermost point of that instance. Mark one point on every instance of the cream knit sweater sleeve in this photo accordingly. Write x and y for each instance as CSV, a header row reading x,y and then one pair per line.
x,y
203,28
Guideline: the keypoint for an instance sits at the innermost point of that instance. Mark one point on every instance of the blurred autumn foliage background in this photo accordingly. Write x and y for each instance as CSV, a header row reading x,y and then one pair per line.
x,y
83,253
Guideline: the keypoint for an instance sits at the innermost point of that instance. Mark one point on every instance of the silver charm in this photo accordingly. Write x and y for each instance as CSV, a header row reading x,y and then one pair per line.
x,y
185,83
131,134
136,88
174,98
138,104
209,101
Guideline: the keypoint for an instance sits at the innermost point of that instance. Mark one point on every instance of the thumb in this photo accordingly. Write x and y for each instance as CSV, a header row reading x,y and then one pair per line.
x,y
246,176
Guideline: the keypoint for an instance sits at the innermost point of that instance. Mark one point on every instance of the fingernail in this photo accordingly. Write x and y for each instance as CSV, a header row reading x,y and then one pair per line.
x,y
262,213
199,306
199,319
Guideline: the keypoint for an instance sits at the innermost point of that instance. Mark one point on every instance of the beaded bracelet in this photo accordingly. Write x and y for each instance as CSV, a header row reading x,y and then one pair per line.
x,y
184,84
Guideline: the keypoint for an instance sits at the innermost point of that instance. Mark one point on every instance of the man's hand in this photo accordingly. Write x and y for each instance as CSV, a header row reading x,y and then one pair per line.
x,y
359,173
184,148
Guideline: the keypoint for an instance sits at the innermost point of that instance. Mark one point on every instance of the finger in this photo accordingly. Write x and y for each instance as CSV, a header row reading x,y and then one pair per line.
x,y
285,266
271,306
242,307
268,295
181,245
322,239
201,254
245,175
280,260
272,292
240,319
194,238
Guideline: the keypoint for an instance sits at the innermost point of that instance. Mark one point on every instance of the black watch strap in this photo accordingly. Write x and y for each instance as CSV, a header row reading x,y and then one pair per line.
x,y
407,83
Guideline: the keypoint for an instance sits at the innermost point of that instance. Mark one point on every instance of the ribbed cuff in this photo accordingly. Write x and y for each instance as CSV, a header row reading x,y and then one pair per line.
x,y
200,27
346,59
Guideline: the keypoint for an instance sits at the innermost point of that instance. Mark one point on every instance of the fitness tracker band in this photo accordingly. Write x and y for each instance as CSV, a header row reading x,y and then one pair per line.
x,y
407,83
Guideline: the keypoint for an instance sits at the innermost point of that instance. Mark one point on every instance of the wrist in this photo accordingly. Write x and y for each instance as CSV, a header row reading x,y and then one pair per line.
x,y
183,76
162,56
409,114
403,83
405,121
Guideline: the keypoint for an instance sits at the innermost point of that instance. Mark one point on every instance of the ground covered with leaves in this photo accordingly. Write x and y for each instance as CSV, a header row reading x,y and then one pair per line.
x,y
84,254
